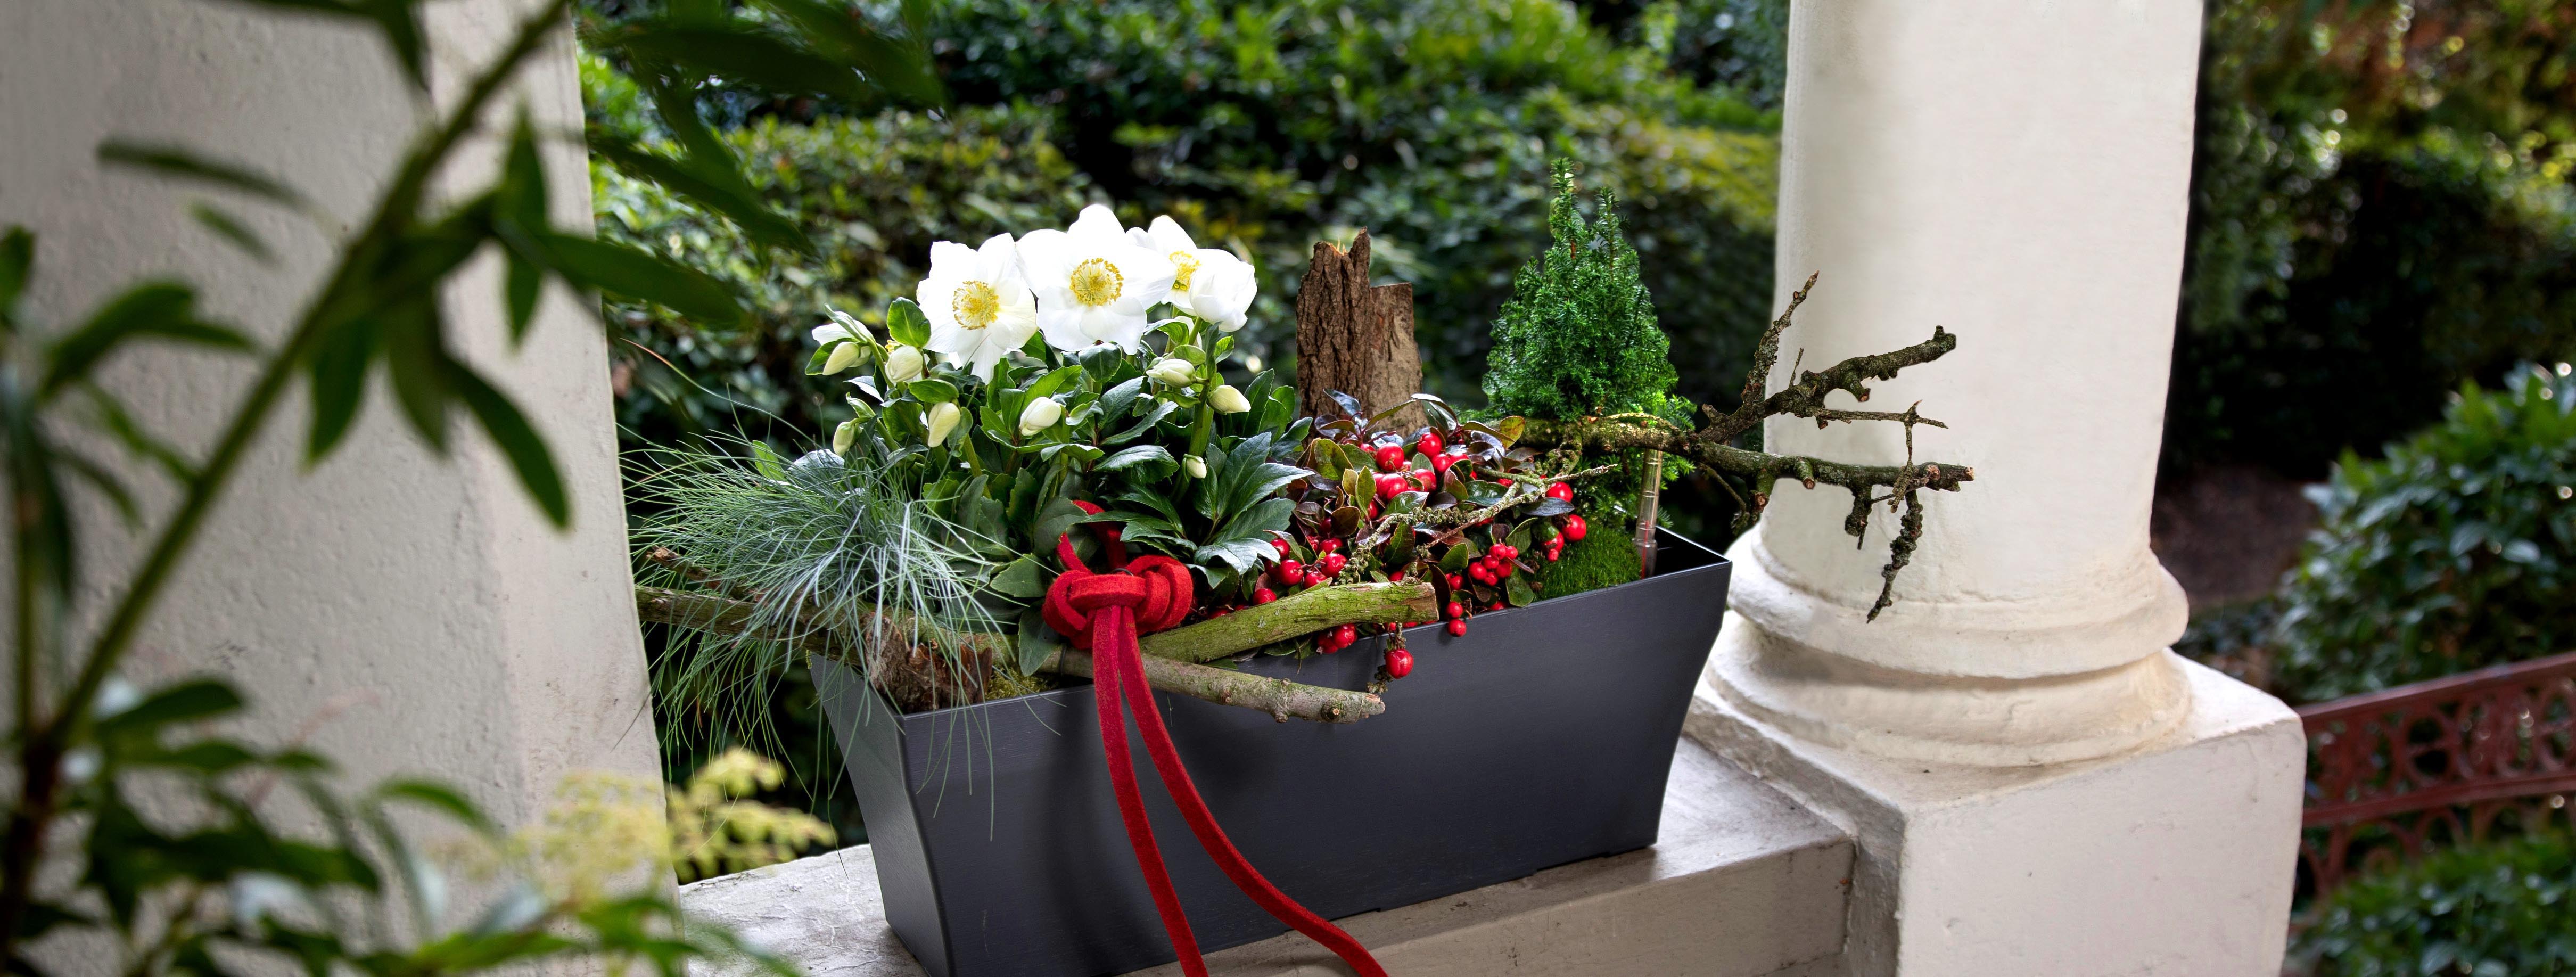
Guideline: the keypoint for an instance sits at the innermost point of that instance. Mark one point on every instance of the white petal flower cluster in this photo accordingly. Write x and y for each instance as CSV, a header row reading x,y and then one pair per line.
x,y
1088,285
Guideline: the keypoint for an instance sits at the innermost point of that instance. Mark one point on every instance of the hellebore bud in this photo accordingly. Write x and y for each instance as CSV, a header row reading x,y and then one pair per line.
x,y
1228,400
843,435
1174,371
842,356
903,365
1194,465
1040,415
942,420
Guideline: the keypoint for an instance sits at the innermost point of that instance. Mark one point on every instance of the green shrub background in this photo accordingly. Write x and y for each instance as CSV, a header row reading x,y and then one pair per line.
x,y
2456,550
2502,910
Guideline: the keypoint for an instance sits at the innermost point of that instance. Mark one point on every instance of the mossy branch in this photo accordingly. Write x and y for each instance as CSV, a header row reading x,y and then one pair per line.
x,y
910,671
1305,612
1712,445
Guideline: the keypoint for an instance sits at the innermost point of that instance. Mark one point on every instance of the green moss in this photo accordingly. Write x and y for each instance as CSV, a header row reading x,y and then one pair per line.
x,y
1605,557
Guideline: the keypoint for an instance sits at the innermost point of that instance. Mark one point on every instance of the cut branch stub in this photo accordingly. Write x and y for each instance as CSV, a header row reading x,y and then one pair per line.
x,y
1355,338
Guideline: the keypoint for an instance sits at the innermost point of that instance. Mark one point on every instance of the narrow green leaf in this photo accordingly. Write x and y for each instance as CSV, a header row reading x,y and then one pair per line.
x,y
417,363
893,64
185,164
121,424
624,271
156,310
745,55
338,373
437,797
185,701
523,284
714,187
518,441
232,230
107,485
17,265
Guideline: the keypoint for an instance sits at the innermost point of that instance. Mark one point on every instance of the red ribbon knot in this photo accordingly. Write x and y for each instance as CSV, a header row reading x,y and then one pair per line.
x,y
1103,613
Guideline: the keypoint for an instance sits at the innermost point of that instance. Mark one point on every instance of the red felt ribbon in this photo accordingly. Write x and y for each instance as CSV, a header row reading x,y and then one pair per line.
x,y
1103,613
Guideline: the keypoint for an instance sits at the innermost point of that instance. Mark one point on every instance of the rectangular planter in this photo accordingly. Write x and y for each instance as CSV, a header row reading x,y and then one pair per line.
x,y
1544,736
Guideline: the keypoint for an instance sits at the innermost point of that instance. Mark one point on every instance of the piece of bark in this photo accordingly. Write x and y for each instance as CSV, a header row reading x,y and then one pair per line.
x,y
1356,338
1282,699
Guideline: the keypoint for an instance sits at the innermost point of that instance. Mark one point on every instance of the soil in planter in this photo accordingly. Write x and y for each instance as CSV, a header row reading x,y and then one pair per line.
x,y
1605,557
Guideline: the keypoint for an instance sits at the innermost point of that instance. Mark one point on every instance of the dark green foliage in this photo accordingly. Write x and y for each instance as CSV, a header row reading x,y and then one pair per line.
x,y
1579,337
2380,204
1264,127
1606,556
2502,910
2458,550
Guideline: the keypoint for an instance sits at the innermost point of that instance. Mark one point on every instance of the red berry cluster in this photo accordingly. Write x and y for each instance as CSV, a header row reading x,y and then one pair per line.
x,y
1362,473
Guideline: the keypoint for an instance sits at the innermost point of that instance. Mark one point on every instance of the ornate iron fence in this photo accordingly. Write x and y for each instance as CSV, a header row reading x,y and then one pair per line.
x,y
2454,760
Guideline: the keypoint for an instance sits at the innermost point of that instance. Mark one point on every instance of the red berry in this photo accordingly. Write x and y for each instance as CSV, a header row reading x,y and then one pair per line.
x,y
1507,553
1280,543
1330,545
1264,595
1553,552
1429,445
1457,629
1399,663
1290,570
1344,635
1575,527
1426,480
1333,564
1391,485
1457,610
1560,490
1456,581
1315,578
1390,458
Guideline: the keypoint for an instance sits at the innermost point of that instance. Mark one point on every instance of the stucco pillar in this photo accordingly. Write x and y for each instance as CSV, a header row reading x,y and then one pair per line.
x,y
416,613
2039,785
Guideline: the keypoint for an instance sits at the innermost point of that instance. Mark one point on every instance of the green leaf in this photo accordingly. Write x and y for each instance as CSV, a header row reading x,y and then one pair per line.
x,y
767,462
932,391
183,702
518,441
1244,542
1115,402
185,164
231,229
1047,385
892,64
907,324
1131,457
338,374
121,424
524,284
1517,592
1022,578
417,363
747,55
1162,409
627,272
1037,641
437,797
17,266
156,310
718,187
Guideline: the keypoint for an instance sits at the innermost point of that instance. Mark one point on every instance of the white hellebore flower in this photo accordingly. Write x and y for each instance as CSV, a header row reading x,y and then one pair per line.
x,y
1174,370
1209,283
1093,284
1228,400
1193,464
942,420
1040,415
903,365
978,302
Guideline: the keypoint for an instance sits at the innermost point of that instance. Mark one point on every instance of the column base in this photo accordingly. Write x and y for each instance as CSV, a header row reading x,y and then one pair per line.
x,y
1841,702
2176,857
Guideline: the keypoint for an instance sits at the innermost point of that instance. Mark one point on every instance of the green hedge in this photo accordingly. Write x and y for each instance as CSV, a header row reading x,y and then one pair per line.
x,y
2503,910
1265,126
2456,550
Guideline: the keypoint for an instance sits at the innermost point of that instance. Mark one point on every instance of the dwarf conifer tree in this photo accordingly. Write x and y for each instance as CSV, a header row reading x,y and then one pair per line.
x,y
1578,336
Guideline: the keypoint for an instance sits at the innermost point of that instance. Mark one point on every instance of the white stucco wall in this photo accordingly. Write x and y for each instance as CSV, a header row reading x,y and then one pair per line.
x,y
422,603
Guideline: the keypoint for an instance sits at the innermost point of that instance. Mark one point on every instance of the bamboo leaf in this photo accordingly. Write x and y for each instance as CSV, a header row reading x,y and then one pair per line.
x,y
518,440
155,310
717,188
185,164
746,55
17,265
623,271
417,363
338,374
231,229
894,65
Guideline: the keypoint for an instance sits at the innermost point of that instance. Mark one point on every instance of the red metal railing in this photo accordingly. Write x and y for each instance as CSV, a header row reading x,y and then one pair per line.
x,y
2454,760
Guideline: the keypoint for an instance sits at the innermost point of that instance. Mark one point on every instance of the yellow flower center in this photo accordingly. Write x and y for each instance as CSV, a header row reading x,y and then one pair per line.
x,y
1097,282
975,305
1187,263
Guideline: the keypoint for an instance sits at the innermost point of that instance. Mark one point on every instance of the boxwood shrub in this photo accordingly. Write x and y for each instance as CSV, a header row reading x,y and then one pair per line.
x,y
2456,550
2499,910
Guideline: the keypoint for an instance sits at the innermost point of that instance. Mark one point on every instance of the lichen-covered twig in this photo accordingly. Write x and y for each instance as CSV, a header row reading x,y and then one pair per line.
x,y
1712,446
910,673
1301,613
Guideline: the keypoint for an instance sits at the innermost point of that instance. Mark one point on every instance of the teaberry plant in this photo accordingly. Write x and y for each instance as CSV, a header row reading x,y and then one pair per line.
x,y
170,897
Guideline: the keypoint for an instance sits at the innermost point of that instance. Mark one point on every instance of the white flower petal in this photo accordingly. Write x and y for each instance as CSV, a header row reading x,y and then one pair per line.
x,y
1169,237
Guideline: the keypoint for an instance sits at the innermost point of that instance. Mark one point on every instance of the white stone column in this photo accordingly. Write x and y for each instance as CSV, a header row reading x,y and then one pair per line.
x,y
2039,785
420,609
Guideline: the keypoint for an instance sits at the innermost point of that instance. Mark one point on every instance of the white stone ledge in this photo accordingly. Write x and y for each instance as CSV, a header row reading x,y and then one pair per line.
x,y
1742,882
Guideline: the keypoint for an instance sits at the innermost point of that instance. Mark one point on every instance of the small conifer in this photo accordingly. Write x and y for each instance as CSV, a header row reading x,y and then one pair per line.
x,y
1578,336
